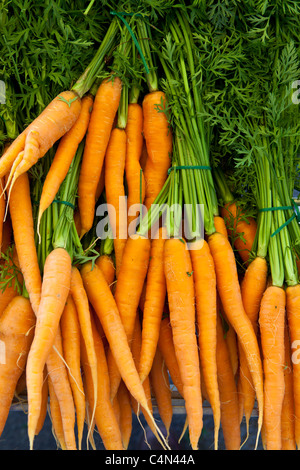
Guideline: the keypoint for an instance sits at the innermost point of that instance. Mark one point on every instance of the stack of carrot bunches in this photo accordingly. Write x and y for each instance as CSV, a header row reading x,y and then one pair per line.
x,y
149,235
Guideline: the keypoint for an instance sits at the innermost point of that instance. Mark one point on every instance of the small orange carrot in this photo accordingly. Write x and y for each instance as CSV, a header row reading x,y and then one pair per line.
x,y
106,264
105,107
55,416
125,414
288,409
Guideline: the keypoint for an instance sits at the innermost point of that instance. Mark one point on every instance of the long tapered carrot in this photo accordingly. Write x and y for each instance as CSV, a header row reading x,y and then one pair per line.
x,y
105,307
133,170
228,393
84,317
104,414
292,309
44,405
106,264
271,327
252,289
129,287
206,308
159,380
55,291
115,192
20,207
230,294
64,155
166,347
125,414
59,377
55,416
104,111
70,330
181,298
155,296
288,410
33,143
16,334
158,138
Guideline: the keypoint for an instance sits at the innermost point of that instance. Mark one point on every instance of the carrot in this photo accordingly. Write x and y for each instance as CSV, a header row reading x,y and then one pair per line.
x,y
55,291
271,326
166,347
288,409
70,330
115,192
104,111
292,309
64,154
34,142
158,137
81,302
55,416
241,228
230,294
134,174
230,420
220,225
155,297
206,309
44,405
23,228
16,334
159,380
59,377
125,414
128,291
252,289
106,264
104,414
105,307
181,297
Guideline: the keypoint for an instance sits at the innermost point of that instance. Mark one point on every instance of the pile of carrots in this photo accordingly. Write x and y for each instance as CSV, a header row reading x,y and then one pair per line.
x,y
94,328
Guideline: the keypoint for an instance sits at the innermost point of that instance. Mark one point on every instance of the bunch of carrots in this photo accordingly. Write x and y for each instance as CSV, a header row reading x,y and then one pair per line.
x,y
98,325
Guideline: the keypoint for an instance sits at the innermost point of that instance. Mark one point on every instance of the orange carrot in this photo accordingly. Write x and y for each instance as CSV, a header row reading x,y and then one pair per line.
x,y
55,416
155,297
70,330
292,309
104,414
115,192
228,393
128,291
181,297
23,228
288,409
220,225
158,139
106,264
59,377
105,107
271,326
55,291
44,405
134,177
252,289
206,309
160,385
166,347
125,414
230,293
16,334
241,228
104,304
33,143
64,155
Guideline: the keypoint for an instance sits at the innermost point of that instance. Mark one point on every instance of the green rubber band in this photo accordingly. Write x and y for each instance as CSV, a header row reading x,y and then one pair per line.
x,y
121,16
295,215
280,208
65,202
188,167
